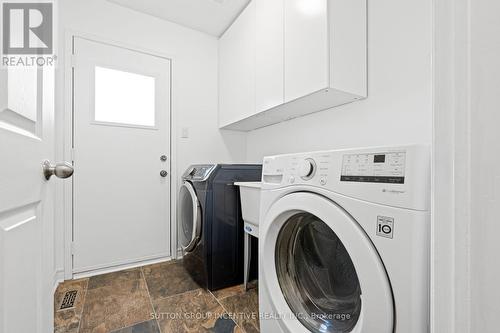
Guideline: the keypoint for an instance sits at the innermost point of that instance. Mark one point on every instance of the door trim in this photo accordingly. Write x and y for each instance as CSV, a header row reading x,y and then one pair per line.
x,y
451,305
66,189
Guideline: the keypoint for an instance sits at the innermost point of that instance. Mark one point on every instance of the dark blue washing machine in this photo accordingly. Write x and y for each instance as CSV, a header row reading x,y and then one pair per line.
x,y
211,225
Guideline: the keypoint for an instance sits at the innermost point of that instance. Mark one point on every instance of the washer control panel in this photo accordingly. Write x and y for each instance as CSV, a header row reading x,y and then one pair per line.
x,y
374,168
198,173
397,176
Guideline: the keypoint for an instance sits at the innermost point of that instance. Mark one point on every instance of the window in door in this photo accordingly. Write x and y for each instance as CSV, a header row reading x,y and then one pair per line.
x,y
124,98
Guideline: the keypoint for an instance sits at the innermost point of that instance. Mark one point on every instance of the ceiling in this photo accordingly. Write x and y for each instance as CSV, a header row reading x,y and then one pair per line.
x,y
209,16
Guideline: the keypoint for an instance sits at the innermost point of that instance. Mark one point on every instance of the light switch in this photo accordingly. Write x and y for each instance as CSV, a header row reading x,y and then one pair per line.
x,y
185,132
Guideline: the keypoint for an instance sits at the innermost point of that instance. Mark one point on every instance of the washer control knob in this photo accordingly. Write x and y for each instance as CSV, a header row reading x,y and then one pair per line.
x,y
307,168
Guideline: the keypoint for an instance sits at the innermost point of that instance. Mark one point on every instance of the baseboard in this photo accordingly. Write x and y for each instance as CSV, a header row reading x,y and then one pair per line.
x,y
57,279
81,275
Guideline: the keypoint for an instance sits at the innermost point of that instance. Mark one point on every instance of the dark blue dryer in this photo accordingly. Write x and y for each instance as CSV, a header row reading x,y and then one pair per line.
x,y
211,226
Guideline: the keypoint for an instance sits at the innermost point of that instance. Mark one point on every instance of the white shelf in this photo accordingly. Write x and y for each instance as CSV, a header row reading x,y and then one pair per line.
x,y
315,102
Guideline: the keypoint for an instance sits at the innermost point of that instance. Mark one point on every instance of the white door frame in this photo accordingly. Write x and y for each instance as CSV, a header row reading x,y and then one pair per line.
x,y
67,123
451,168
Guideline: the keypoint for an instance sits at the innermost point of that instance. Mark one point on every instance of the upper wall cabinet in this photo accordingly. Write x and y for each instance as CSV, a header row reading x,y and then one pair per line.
x,y
269,52
298,57
306,47
237,69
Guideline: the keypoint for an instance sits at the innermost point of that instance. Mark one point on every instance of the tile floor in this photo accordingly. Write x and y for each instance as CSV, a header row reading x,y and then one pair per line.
x,y
160,298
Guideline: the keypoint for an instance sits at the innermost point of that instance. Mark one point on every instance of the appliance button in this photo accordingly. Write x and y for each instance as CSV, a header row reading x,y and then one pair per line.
x,y
323,181
292,179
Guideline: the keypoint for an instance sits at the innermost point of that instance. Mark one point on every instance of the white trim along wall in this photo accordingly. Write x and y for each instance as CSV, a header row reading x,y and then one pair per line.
x,y
466,180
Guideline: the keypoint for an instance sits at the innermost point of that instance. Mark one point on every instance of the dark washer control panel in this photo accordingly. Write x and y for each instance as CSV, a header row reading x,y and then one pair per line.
x,y
199,173
374,168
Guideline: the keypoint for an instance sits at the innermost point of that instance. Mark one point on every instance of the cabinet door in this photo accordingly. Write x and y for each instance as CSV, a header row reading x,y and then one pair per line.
x,y
306,47
269,54
237,69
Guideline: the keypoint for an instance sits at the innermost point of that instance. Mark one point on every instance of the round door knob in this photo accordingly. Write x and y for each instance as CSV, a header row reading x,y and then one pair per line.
x,y
61,170
307,168
163,173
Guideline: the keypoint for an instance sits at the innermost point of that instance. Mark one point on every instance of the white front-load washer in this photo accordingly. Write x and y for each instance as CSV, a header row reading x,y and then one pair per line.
x,y
344,241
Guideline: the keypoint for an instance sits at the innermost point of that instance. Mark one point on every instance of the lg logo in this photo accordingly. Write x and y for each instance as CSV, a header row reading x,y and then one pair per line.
x,y
27,28
385,226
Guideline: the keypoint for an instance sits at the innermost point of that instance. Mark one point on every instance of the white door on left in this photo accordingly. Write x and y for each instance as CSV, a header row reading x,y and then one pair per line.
x,y
26,200
121,141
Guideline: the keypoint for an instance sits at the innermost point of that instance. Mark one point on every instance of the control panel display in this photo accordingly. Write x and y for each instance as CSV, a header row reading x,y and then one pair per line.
x,y
374,168
199,172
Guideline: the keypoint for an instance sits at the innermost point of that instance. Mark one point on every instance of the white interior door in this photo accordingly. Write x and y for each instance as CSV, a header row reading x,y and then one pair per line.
x,y
26,200
121,132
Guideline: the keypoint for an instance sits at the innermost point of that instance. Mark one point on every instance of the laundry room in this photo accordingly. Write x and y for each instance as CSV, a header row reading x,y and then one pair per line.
x,y
273,166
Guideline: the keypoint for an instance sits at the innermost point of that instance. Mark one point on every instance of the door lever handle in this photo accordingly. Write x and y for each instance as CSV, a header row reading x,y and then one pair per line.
x,y
60,170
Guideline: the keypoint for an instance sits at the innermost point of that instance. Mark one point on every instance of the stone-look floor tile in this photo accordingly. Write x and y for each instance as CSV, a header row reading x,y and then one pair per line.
x,y
68,320
228,292
112,279
225,325
243,308
168,279
233,291
192,312
120,303
150,326
115,301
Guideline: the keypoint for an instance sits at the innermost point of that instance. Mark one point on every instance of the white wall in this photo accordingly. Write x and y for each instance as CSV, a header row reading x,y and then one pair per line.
x,y
195,95
485,161
399,106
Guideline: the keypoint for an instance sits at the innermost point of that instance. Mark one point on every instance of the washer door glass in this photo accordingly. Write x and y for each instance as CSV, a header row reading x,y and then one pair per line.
x,y
190,217
317,276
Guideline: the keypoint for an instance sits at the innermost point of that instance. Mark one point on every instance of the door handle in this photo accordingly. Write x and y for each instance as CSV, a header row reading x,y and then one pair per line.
x,y
60,170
